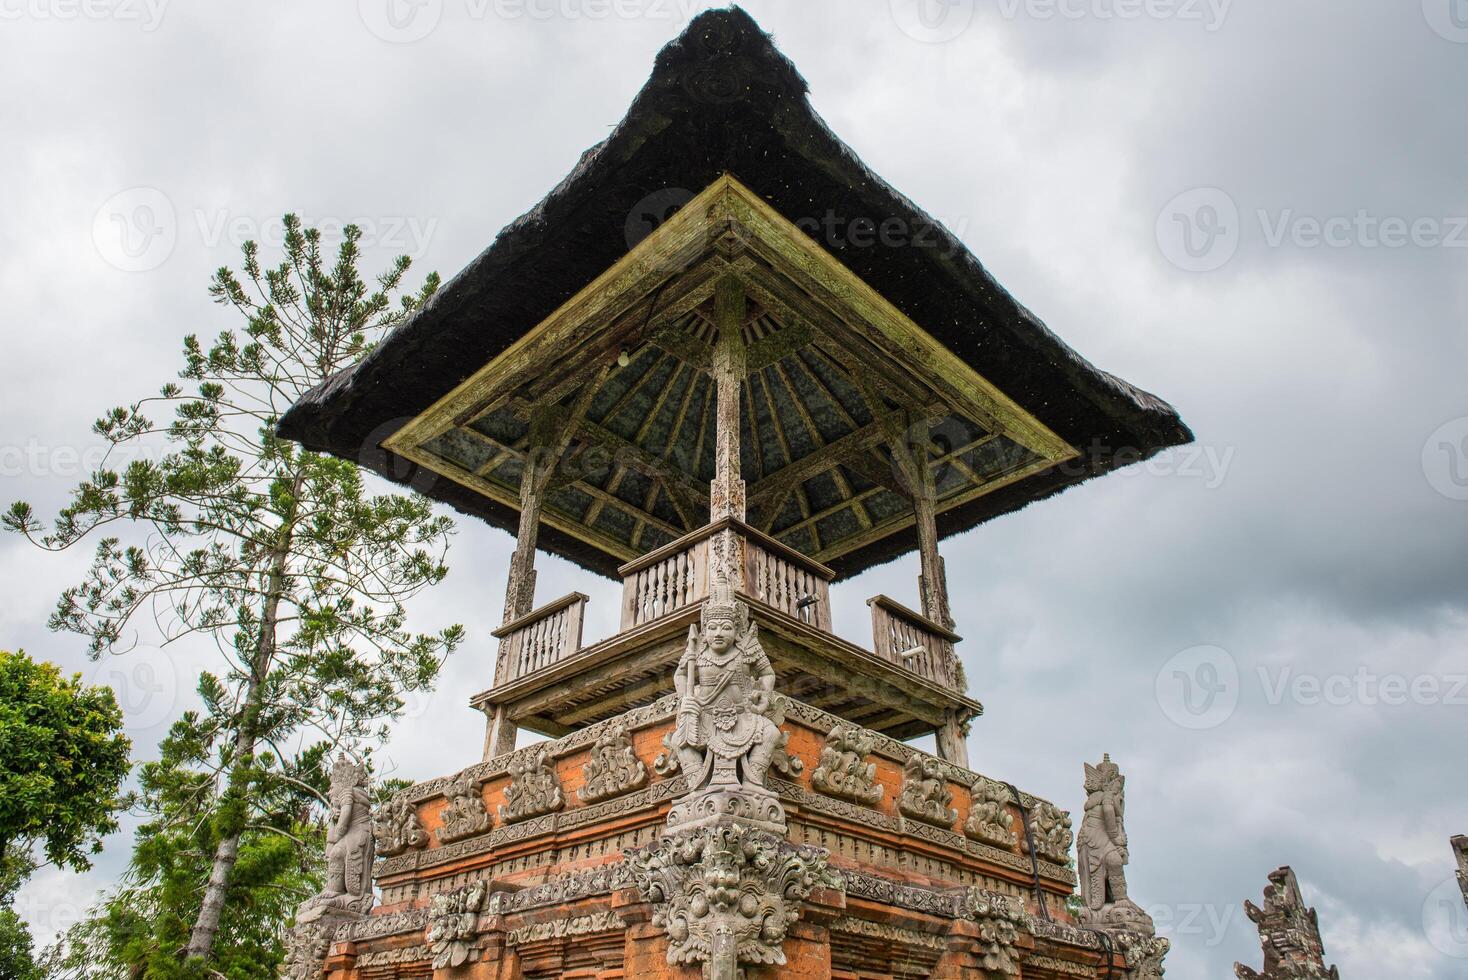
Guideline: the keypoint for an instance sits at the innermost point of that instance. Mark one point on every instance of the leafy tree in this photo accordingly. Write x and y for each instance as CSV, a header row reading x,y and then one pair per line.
x,y
280,555
62,762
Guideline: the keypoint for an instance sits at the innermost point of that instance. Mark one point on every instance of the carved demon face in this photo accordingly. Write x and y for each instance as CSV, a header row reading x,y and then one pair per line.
x,y
719,634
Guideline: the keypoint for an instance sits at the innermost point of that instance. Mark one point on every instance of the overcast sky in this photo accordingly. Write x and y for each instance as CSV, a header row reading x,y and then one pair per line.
x,y
1256,209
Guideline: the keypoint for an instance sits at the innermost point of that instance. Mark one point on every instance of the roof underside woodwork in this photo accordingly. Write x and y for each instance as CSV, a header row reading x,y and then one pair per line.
x,y
835,376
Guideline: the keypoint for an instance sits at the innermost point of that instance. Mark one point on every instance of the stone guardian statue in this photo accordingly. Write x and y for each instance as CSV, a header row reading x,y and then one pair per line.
x,y
1102,854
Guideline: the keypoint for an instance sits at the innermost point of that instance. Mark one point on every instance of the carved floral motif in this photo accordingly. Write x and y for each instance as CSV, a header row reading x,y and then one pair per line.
x,y
452,921
989,819
1053,836
1289,934
613,769
726,894
844,771
1000,919
925,794
396,827
1144,955
306,946
534,789
464,815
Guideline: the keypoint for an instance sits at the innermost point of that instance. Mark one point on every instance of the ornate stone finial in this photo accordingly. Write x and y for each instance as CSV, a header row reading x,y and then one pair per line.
x,y
989,819
726,894
306,946
534,789
1460,850
1289,934
396,827
613,768
844,771
1053,837
1144,955
1102,855
453,923
1001,919
727,734
464,814
925,794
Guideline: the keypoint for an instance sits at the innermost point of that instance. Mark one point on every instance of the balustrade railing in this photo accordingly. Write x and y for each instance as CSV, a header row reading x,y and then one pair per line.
x,y
679,573
909,639
540,638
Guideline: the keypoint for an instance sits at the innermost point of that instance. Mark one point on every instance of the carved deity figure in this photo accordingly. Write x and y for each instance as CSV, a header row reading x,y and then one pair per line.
x,y
349,842
844,771
725,736
989,819
925,794
1102,855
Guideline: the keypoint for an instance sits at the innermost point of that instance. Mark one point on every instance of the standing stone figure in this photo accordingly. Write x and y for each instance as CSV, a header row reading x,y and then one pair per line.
x,y
349,843
1460,851
725,736
349,855
1102,855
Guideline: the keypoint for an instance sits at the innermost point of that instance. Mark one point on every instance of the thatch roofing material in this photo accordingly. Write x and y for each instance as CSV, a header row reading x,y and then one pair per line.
x,y
721,99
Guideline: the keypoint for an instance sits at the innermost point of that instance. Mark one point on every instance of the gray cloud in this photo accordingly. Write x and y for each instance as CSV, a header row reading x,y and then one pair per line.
x,y
1321,537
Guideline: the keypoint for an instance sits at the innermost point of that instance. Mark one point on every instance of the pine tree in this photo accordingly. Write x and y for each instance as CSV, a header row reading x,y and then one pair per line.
x,y
281,556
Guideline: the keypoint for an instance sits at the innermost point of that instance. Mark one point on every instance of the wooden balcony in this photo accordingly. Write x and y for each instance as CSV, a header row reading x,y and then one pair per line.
x,y
909,683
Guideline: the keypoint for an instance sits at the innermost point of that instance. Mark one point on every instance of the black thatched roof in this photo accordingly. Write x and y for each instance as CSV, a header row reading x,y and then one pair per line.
x,y
722,99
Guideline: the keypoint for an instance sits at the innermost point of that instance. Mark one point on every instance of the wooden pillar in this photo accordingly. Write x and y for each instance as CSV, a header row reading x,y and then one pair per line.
x,y
726,495
551,430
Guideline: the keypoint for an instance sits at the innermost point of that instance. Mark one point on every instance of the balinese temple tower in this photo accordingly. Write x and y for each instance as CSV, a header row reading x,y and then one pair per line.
x,y
727,365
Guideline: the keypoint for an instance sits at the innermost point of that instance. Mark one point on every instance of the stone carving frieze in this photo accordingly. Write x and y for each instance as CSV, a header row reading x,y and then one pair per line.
x,y
1102,855
396,827
1144,954
381,926
1051,828
989,819
306,946
563,889
613,768
402,956
844,771
453,919
464,815
727,894
1289,934
925,794
568,928
916,898
1000,921
534,789
896,935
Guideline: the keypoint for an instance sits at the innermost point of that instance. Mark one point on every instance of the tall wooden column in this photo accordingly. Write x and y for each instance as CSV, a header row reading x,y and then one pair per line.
x,y
551,430
911,455
726,493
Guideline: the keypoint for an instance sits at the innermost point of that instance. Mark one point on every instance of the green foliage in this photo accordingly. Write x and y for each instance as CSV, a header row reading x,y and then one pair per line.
x,y
62,762
289,564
